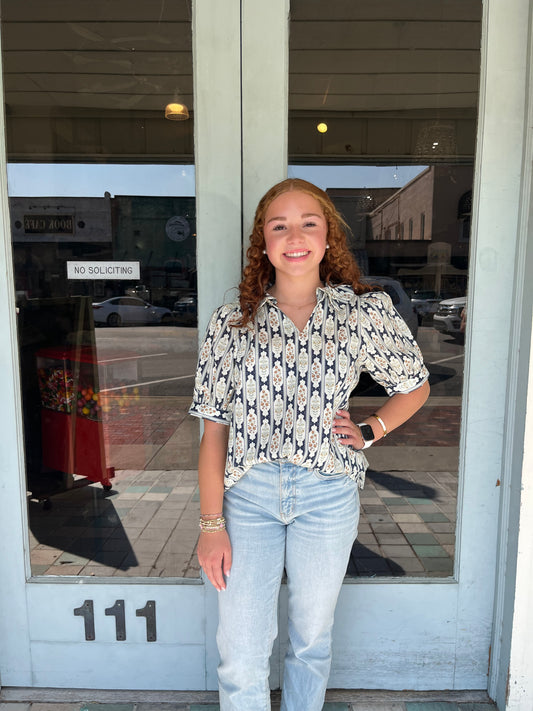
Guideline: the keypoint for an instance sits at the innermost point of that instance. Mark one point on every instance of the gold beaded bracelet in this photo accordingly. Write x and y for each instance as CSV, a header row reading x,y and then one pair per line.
x,y
212,525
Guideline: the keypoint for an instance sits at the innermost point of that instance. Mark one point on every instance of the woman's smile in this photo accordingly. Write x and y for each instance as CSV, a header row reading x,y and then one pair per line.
x,y
297,255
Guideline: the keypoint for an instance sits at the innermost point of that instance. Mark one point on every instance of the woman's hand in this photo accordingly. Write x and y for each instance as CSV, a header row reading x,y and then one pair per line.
x,y
393,413
347,432
214,555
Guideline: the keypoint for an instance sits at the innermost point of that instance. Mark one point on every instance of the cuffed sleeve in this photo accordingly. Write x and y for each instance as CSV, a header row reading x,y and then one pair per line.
x,y
213,386
389,352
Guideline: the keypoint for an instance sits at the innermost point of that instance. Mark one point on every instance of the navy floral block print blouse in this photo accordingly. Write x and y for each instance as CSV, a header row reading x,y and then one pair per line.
x,y
278,389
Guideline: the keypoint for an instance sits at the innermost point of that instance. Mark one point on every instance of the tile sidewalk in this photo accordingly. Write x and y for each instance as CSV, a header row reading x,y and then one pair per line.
x,y
147,525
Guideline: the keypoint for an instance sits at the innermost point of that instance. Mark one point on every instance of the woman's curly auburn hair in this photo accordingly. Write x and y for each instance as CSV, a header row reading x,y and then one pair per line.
x,y
337,267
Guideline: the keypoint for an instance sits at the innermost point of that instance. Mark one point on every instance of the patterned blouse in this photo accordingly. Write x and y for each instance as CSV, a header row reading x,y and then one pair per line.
x,y
278,389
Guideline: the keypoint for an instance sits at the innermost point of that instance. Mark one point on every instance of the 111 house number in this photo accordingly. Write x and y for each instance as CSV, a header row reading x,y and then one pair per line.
x,y
119,613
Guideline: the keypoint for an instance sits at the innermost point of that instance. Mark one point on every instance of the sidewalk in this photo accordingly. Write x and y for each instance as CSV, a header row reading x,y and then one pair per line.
x,y
147,525
336,700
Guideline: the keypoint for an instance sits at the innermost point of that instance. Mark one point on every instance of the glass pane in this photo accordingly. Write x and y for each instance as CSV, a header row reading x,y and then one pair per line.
x,y
382,114
101,189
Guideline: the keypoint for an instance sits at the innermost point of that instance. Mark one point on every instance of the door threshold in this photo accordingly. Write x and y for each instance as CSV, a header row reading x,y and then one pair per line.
x,y
114,696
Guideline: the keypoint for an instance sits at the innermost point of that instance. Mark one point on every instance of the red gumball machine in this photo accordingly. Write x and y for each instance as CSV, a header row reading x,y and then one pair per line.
x,y
71,415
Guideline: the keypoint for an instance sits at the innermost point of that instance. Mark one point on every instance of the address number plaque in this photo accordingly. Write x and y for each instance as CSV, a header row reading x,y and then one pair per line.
x,y
118,611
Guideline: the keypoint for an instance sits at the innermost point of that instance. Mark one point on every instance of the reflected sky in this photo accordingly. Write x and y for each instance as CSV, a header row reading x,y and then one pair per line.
x,y
94,179
356,176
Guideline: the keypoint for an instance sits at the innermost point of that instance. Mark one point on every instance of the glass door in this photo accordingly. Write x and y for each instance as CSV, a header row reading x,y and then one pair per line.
x,y
106,241
382,114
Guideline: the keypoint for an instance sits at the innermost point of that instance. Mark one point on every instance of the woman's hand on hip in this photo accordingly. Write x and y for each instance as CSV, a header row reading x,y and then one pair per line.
x,y
214,555
348,432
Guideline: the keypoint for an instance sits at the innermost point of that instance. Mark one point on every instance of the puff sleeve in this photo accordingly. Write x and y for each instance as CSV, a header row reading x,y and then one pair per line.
x,y
213,386
388,352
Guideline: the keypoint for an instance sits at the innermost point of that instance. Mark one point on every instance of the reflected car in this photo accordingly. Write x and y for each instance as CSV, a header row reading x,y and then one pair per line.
x,y
426,302
185,310
140,290
129,310
402,303
448,316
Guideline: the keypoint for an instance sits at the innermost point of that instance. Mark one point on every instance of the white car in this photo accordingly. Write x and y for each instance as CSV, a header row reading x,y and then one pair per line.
x,y
129,310
448,316
426,302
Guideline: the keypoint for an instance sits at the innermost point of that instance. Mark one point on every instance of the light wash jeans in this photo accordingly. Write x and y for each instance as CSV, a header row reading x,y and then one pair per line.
x,y
283,516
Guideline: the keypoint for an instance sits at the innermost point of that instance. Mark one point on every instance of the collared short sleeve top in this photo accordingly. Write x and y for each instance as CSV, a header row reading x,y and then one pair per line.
x,y
278,388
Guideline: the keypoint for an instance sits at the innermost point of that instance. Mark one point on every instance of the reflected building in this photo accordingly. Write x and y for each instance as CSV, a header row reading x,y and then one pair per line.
x,y
419,233
157,232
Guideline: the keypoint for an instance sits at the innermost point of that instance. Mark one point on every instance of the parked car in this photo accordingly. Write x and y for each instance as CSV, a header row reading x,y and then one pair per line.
x,y
400,300
186,310
426,302
129,310
140,290
448,316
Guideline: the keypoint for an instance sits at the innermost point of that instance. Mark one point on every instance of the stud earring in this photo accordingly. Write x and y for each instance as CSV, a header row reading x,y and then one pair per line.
x,y
327,246
264,251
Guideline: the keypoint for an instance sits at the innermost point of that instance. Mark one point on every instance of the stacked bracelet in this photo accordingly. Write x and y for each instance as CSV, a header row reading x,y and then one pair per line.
x,y
383,425
212,525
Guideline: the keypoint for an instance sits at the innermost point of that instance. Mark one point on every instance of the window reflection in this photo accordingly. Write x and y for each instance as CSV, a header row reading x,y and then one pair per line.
x,y
107,364
101,189
376,91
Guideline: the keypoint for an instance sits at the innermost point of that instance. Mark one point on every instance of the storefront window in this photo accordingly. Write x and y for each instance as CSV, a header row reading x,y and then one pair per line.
x,y
99,105
382,114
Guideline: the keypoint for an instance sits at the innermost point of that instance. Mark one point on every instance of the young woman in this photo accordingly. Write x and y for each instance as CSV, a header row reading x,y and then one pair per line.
x,y
280,460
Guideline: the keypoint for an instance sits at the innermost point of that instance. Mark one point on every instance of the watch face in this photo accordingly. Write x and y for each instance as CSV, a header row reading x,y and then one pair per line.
x,y
367,433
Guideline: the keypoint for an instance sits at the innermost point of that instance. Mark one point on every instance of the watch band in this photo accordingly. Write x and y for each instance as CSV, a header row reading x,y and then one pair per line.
x,y
367,433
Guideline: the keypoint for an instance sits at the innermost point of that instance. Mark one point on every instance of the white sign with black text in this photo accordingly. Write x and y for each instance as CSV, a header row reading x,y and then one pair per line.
x,y
104,270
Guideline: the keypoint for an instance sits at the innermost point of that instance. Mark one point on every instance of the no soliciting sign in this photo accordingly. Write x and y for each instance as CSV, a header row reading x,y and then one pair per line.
x,y
103,270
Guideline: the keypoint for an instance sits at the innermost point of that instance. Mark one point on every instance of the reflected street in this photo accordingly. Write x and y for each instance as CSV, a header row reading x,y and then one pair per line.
x,y
164,360
159,360
444,358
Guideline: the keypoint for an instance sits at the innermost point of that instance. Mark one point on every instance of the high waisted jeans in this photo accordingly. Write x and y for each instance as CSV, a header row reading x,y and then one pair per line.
x,y
283,516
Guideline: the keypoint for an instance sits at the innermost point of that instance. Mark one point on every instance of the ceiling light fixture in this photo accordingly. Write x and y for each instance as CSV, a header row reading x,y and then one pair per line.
x,y
176,112
436,138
